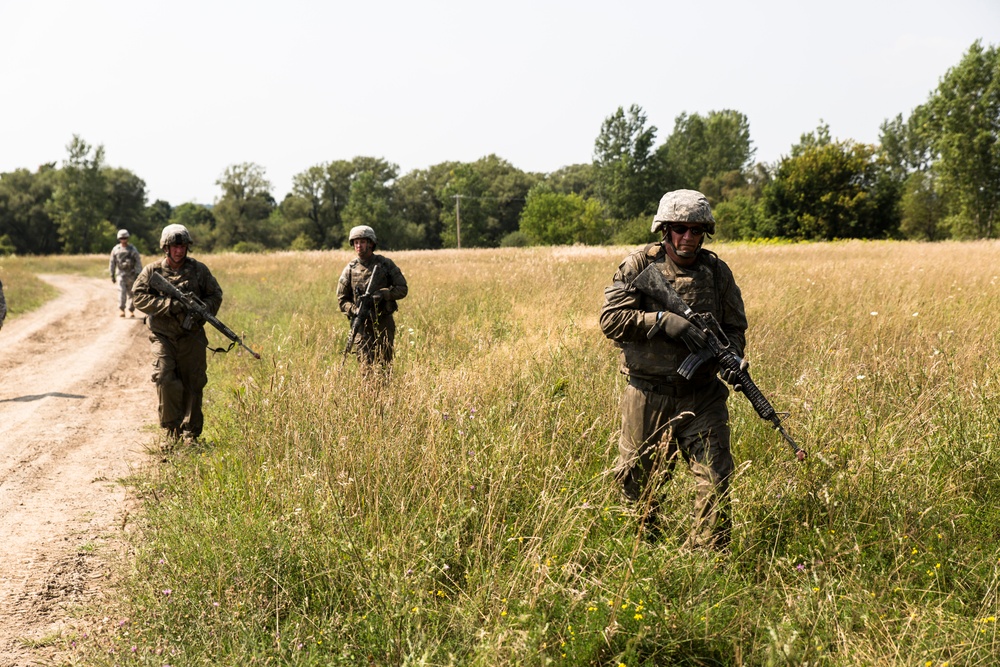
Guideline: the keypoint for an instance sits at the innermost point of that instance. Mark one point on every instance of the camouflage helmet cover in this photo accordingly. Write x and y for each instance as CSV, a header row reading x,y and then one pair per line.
x,y
684,206
123,234
175,235
361,232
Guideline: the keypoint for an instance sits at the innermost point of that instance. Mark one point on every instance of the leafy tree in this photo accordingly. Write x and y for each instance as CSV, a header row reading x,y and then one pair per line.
x,y
906,145
486,197
320,194
157,216
369,204
580,179
24,216
244,210
309,210
127,199
705,147
963,120
417,200
816,139
832,190
80,204
741,216
628,178
466,224
552,218
923,209
198,220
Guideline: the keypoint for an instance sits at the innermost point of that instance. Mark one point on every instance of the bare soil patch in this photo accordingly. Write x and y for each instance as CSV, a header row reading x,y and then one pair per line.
x,y
78,414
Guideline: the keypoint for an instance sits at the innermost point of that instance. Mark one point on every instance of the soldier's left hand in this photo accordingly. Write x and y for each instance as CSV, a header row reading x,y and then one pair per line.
x,y
732,378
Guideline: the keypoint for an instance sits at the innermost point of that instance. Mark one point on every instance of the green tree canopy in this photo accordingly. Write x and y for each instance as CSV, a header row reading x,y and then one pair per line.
x,y
832,190
243,211
963,120
80,205
198,220
629,181
705,147
553,218
127,199
484,200
24,213
580,179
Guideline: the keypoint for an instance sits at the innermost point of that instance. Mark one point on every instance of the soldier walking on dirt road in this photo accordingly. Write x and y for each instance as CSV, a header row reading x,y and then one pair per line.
x,y
126,263
179,341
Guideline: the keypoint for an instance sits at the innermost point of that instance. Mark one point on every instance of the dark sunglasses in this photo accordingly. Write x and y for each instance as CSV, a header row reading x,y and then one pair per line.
x,y
681,230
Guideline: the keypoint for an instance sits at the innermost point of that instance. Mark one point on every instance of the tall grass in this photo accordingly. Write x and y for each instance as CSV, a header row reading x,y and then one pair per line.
x,y
462,513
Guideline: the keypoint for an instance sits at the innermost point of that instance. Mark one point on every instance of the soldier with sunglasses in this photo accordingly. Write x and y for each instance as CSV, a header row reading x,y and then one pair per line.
x,y
665,415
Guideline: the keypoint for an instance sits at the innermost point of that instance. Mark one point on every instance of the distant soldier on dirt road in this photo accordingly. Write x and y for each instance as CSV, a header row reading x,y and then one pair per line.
x,y
126,263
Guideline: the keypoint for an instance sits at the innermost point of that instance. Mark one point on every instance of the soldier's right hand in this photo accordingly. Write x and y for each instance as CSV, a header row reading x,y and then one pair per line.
x,y
176,307
113,279
681,330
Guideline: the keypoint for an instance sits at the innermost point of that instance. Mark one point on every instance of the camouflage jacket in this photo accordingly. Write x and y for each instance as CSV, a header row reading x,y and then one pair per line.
x,y
628,315
193,278
389,284
125,261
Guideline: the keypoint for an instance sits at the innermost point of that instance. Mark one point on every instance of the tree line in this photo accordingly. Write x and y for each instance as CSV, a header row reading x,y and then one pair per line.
x,y
933,175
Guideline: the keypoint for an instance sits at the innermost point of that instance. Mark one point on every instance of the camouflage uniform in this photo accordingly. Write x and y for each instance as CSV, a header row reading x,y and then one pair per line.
x,y
658,401
3,306
180,365
375,341
126,263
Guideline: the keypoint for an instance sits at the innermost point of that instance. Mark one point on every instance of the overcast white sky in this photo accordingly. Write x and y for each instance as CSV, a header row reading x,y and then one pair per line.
x,y
177,91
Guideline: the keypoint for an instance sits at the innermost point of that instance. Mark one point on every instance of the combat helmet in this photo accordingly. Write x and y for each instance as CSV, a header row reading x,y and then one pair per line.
x,y
174,235
122,234
362,232
684,206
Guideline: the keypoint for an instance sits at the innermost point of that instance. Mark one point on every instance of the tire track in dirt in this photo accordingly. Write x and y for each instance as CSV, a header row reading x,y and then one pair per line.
x,y
78,414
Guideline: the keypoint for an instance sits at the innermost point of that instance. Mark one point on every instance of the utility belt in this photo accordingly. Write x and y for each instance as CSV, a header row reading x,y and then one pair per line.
x,y
669,388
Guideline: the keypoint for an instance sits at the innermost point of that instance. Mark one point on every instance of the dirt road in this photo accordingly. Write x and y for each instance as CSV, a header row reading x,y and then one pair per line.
x,y
77,414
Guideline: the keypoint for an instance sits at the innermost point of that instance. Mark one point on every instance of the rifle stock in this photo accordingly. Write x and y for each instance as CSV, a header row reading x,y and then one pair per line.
x,y
196,307
652,283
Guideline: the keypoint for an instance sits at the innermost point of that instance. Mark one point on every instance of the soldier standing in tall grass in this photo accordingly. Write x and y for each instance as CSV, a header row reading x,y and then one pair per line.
x,y
380,279
659,404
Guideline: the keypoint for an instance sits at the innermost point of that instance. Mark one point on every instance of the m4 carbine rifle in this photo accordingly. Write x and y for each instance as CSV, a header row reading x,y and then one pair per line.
x,y
366,309
195,307
653,284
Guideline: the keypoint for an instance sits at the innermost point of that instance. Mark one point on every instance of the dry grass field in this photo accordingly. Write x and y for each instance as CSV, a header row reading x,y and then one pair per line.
x,y
462,513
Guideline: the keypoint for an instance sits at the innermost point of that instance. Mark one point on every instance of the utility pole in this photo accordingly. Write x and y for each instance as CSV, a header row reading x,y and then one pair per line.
x,y
458,221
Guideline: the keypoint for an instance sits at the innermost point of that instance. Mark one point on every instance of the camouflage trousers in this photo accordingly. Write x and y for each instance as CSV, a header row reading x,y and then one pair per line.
x,y
375,343
656,428
125,292
180,372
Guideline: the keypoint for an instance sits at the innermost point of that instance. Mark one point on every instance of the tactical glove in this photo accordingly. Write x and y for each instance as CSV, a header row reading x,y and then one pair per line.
x,y
681,330
176,307
730,376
